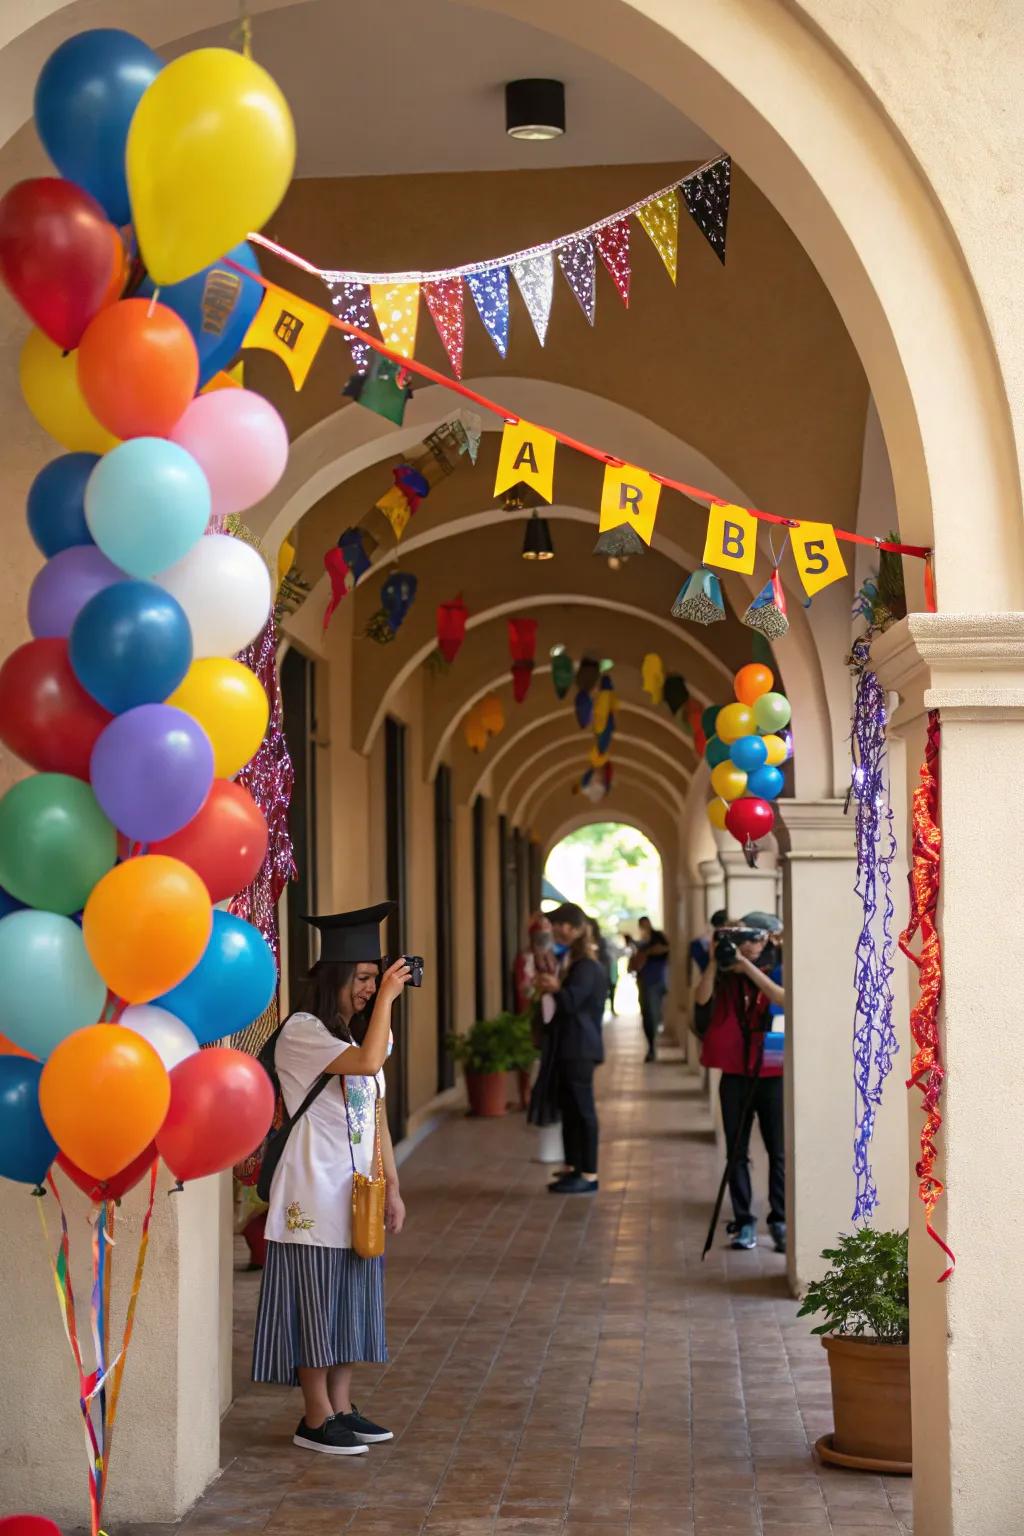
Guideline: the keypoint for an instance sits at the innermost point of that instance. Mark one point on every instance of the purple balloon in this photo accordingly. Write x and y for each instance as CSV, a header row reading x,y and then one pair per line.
x,y
63,587
151,770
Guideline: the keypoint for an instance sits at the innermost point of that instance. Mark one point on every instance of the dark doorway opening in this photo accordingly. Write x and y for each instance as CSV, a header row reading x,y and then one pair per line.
x,y
397,1069
479,906
443,918
298,705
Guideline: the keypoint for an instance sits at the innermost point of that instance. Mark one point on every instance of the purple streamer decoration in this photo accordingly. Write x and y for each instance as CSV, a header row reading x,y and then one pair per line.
x,y
874,1039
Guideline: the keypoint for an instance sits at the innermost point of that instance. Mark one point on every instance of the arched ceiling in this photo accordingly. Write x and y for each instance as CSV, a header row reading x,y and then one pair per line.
x,y
558,813
556,762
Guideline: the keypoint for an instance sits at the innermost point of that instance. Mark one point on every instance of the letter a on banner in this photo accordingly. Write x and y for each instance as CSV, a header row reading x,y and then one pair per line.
x,y
816,552
731,543
527,457
629,496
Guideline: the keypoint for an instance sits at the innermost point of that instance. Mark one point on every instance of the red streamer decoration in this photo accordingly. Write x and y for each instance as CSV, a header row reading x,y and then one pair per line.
x,y
927,1071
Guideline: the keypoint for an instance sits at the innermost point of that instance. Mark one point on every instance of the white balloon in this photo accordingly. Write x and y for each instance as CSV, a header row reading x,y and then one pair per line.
x,y
170,1038
224,587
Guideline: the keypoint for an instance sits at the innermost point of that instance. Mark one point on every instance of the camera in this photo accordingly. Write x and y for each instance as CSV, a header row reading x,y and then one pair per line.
x,y
415,964
727,941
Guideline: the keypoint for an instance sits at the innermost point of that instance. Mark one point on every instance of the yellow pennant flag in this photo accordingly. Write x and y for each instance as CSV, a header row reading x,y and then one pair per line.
x,y
732,539
527,457
629,496
816,551
291,329
285,559
395,506
652,677
660,218
397,307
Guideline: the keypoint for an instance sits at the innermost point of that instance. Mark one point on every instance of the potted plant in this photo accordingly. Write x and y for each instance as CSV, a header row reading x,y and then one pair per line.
x,y
486,1054
865,1304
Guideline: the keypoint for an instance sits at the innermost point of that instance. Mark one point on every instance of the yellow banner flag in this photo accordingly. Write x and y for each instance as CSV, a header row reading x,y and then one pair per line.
x,y
732,539
629,496
395,506
291,329
660,218
527,457
397,307
816,551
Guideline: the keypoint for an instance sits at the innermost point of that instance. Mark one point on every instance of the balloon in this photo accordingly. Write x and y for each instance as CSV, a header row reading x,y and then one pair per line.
x,y
224,588
86,96
772,712
172,1040
113,1188
748,753
218,305
138,368
751,682
231,985
8,903
229,702
104,1095
56,503
146,504
749,819
146,926
63,587
734,721
709,720
60,258
46,716
225,843
49,384
728,782
222,1104
131,644
716,752
239,442
55,842
28,1525
776,749
716,814
8,1048
210,153
151,769
51,987
766,783
26,1147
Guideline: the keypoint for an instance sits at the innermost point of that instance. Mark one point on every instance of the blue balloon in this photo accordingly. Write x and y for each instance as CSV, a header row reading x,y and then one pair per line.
x,y
716,752
26,1147
231,985
131,644
147,503
749,753
765,783
56,503
218,305
9,904
51,987
86,97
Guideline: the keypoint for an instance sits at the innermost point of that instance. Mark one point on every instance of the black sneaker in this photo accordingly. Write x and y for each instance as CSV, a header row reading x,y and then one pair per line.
x,y
574,1184
364,1429
331,1439
778,1232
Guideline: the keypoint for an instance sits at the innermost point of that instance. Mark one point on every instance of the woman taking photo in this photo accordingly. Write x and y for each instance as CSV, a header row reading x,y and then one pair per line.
x,y
321,1306
579,989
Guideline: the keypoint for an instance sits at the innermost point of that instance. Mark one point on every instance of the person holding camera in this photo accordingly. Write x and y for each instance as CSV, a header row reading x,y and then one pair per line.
x,y
736,1000
579,988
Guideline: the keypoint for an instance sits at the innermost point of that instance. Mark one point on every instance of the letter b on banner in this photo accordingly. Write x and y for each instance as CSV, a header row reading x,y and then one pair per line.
x,y
731,543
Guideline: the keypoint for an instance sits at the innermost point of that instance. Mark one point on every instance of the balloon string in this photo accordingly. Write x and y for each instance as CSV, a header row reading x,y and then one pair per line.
x,y
118,1372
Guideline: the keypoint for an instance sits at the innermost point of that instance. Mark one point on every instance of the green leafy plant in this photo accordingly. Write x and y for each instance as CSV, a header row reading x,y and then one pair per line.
x,y
865,1291
501,1044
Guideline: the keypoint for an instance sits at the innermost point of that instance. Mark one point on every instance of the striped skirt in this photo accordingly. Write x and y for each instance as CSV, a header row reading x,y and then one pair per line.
x,y
318,1307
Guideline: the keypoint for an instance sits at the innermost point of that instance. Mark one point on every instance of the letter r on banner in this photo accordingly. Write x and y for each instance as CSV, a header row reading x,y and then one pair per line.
x,y
816,552
629,496
731,542
527,457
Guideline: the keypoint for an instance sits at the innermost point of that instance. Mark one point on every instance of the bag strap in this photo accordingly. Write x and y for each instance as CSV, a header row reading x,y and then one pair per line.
x,y
317,1089
377,1156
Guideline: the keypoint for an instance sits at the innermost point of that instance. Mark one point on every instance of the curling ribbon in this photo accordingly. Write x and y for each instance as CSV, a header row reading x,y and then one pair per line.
x,y
927,1071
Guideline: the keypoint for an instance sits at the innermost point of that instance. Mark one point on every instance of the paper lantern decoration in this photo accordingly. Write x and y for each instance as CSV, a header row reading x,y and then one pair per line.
x,y
451,627
584,707
675,692
522,645
604,705
475,731
695,719
382,389
562,671
652,675
352,544
767,613
700,600
492,715
588,674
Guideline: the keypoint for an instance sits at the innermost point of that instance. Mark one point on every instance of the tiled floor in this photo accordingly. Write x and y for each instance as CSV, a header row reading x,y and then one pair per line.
x,y
565,1366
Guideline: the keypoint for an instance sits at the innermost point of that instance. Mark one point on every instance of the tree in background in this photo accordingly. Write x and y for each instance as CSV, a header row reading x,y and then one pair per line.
x,y
613,871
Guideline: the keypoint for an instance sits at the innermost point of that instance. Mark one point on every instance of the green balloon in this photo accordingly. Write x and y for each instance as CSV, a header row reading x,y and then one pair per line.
x,y
771,713
55,842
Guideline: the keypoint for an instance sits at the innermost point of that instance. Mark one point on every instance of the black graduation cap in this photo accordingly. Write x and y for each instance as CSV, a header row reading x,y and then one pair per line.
x,y
352,935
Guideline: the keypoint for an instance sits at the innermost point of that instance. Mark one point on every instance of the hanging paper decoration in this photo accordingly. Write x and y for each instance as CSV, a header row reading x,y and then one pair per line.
x,y
706,194
700,599
629,506
562,672
451,627
731,540
675,692
584,707
400,503
291,593
882,599
652,677
352,301
474,731
444,301
522,645
291,329
576,259
352,544
612,241
490,295
397,308
535,279
597,757
285,560
604,705
767,613
337,569
472,429
492,714
379,390
816,552
526,457
695,722
660,218
587,674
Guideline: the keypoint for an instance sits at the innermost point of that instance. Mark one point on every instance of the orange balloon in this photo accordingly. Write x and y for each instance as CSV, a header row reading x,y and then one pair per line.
x,y
751,682
104,1094
138,368
146,925
8,1048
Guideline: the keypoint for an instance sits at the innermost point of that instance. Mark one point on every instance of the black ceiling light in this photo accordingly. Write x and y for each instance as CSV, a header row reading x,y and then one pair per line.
x,y
537,543
535,109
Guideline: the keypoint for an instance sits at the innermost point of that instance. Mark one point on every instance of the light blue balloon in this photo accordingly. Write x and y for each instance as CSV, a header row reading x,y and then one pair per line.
x,y
748,753
765,783
147,503
50,986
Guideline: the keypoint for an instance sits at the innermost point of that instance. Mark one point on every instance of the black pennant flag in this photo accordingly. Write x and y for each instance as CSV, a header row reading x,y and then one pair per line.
x,y
706,195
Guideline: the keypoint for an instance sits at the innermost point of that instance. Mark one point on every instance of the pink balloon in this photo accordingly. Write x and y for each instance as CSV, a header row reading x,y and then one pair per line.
x,y
240,444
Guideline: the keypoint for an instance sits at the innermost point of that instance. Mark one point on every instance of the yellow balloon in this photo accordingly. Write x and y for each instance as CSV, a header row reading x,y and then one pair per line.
x,y
229,703
728,781
734,721
776,750
49,383
210,153
716,814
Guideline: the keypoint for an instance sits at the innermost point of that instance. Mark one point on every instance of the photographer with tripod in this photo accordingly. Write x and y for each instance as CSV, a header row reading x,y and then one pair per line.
x,y
736,999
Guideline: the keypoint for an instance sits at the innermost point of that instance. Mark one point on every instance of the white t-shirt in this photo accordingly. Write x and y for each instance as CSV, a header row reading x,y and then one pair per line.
x,y
311,1196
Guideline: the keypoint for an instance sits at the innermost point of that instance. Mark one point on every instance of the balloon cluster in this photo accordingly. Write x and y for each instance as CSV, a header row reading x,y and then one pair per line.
x,y
128,701
745,754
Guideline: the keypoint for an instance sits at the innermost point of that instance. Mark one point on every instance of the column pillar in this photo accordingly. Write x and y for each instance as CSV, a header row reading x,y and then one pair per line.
x,y
713,876
746,889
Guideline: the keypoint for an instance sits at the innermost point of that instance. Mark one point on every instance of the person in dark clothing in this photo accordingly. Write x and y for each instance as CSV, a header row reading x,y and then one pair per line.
x,y
603,955
700,949
650,963
579,990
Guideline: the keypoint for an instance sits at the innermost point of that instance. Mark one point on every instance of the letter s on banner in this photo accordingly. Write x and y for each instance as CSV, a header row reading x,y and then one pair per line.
x,y
731,542
817,556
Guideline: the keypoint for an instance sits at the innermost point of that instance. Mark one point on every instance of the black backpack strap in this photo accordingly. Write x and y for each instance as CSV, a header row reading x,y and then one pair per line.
x,y
317,1089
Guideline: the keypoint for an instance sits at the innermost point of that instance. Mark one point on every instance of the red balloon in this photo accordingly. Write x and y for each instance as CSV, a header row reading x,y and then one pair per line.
x,y
138,368
749,818
225,843
108,1189
28,1525
60,256
222,1104
46,716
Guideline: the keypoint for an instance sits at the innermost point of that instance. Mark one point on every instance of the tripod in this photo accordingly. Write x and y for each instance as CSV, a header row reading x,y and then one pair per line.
x,y
746,1121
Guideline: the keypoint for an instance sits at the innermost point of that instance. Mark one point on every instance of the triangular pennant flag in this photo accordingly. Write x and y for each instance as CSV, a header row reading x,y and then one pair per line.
x,y
576,259
613,249
535,279
291,329
352,301
707,200
444,300
397,307
660,218
490,295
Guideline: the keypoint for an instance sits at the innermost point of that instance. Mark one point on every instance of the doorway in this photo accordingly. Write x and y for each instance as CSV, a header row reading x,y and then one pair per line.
x,y
396,1071
298,705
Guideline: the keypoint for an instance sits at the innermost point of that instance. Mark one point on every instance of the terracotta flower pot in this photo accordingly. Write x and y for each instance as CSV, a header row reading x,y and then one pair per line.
x,y
487,1093
870,1402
